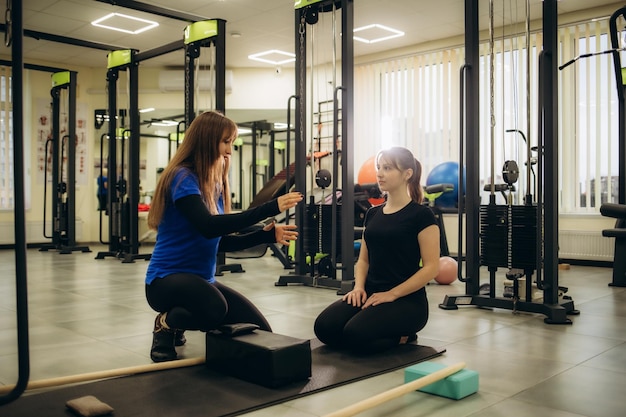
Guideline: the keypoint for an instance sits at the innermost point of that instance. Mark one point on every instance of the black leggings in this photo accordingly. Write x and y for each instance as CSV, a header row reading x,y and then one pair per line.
x,y
192,303
373,329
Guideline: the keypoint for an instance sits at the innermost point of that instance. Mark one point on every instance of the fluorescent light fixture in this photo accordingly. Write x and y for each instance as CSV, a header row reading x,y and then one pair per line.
x,y
243,131
146,110
274,57
164,123
376,33
124,23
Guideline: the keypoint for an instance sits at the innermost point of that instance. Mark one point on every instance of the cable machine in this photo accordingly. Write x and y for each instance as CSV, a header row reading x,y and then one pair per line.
x,y
62,152
325,227
522,238
123,190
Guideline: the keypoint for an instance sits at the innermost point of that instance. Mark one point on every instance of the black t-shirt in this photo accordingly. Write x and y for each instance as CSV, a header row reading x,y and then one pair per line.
x,y
394,252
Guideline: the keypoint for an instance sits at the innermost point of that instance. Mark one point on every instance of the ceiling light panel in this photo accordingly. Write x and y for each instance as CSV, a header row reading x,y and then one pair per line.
x,y
274,57
124,23
376,33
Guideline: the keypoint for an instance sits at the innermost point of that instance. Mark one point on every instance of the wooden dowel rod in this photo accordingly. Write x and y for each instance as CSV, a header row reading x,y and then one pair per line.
x,y
397,391
110,373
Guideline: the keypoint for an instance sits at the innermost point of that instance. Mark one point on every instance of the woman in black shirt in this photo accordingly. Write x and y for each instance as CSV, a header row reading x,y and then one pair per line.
x,y
388,303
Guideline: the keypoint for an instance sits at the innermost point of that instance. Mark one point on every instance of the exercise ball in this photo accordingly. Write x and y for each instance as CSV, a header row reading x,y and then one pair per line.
x,y
448,268
367,175
446,173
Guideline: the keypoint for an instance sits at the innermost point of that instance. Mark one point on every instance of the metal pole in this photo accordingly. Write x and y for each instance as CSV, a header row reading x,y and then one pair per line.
x,y
71,163
133,159
472,106
347,145
551,179
21,287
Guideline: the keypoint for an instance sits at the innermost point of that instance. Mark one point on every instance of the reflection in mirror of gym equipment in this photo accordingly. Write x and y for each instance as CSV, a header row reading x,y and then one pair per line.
x,y
123,162
61,150
272,185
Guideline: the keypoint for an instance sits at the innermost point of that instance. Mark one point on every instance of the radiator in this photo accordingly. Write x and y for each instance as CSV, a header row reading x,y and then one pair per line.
x,y
585,245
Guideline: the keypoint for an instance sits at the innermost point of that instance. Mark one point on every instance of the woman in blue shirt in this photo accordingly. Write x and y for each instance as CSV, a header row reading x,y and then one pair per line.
x,y
191,213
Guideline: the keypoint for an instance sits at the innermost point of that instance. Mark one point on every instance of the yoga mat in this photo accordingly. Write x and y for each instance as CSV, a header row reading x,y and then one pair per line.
x,y
199,391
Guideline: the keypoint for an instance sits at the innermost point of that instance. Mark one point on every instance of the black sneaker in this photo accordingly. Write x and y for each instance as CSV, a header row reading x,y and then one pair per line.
x,y
162,349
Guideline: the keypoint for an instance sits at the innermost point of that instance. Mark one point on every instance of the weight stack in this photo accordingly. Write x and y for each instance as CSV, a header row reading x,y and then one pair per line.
x,y
318,229
494,230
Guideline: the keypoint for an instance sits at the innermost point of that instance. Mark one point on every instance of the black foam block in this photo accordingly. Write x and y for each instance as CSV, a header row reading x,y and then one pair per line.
x,y
261,357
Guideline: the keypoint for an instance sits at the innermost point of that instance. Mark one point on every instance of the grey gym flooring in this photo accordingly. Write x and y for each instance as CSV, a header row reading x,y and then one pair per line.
x,y
89,315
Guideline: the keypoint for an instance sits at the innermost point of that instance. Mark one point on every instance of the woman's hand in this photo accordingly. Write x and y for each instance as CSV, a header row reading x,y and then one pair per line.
x,y
289,200
356,297
379,298
284,232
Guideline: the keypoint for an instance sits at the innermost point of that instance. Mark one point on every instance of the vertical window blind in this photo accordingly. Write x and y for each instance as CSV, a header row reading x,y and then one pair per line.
x,y
413,101
6,141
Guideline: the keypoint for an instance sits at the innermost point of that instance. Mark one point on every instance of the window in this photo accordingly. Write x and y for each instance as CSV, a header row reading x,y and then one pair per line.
x,y
414,102
6,141
590,121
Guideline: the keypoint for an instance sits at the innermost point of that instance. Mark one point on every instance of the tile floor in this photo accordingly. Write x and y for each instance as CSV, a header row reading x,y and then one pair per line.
x,y
88,315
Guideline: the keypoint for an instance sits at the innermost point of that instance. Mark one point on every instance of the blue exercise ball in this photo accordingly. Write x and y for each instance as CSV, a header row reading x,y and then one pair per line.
x,y
446,173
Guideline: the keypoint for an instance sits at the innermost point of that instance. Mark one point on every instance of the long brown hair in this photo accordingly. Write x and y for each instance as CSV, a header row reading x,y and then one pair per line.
x,y
402,159
199,152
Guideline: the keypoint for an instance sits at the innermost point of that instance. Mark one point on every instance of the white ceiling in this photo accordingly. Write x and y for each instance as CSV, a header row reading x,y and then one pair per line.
x,y
263,25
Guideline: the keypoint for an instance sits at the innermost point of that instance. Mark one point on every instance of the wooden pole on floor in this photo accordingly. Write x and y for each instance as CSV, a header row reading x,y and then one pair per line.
x,y
397,392
110,373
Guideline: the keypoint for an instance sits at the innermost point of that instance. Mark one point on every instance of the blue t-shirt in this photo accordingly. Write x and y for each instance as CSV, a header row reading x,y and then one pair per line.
x,y
102,180
179,246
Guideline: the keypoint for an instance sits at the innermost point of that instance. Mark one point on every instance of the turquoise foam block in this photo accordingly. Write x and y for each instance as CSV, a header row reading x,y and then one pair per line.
x,y
455,386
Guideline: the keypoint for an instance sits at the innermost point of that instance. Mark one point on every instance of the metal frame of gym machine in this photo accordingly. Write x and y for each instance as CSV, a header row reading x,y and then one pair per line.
x,y
554,306
307,9
15,37
620,82
63,190
123,196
